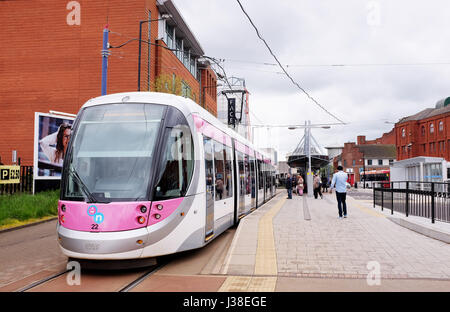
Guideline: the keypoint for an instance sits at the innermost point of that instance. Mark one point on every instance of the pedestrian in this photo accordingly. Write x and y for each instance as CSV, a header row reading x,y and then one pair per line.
x,y
339,182
300,185
289,186
324,184
317,186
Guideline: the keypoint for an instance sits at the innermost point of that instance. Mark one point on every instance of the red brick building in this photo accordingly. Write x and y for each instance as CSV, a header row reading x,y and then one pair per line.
x,y
50,59
366,155
425,133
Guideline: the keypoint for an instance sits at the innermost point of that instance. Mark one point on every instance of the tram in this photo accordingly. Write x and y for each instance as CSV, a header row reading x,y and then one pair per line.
x,y
148,174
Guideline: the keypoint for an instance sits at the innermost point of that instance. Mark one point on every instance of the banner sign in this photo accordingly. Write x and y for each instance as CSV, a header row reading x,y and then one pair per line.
x,y
51,137
9,174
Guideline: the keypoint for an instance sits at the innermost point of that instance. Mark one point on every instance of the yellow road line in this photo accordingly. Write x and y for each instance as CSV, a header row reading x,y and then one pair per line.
x,y
265,260
266,257
248,284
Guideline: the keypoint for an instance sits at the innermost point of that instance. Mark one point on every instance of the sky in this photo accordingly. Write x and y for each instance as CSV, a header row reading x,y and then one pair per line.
x,y
396,56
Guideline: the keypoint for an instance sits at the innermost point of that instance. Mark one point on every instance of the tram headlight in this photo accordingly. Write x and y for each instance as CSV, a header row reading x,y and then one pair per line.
x,y
157,216
141,220
143,209
63,208
159,207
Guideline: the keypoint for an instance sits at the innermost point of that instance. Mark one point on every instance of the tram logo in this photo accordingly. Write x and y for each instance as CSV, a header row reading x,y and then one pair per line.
x,y
97,216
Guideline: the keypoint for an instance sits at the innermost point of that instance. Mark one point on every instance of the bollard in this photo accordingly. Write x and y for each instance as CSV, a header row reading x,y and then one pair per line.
x,y
432,202
407,199
392,198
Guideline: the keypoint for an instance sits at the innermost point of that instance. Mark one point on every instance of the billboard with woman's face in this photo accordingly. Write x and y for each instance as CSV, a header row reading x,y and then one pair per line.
x,y
51,138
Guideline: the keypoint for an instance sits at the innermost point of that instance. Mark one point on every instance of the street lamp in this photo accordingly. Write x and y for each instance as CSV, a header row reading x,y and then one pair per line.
x,y
163,17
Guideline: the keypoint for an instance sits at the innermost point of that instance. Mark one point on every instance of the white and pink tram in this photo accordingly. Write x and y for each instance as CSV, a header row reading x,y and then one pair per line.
x,y
148,174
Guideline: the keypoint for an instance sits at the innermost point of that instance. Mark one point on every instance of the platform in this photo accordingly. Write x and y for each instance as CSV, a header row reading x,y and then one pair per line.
x,y
300,244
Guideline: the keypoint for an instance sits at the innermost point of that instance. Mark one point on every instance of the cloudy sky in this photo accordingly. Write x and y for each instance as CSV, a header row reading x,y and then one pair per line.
x,y
397,57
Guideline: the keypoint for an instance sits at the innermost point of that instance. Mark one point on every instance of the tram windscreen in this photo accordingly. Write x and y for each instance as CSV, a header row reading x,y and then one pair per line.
x,y
110,158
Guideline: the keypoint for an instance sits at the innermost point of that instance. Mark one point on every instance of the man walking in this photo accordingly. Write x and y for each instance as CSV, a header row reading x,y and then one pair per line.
x,y
289,186
339,182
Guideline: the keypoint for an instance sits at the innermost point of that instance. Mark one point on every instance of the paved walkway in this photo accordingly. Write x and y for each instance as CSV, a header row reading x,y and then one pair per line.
x,y
303,238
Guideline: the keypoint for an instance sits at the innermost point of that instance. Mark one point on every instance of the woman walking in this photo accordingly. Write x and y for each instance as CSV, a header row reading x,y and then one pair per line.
x,y
300,186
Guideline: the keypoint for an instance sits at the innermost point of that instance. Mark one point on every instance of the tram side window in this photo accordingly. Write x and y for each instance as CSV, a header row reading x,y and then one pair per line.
x,y
240,162
261,176
248,179
228,159
253,176
177,161
220,170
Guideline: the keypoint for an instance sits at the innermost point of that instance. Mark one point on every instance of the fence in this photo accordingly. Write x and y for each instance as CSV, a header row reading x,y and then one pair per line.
x,y
423,199
26,182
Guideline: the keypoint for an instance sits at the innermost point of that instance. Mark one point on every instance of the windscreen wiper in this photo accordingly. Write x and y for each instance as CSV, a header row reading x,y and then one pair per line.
x,y
91,198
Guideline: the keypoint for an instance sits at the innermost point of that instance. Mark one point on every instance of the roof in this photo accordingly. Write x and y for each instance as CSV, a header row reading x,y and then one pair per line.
x,y
378,150
426,113
167,6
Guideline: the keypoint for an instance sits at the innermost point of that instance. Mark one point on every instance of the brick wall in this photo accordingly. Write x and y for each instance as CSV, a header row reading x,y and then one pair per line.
x,y
414,138
47,64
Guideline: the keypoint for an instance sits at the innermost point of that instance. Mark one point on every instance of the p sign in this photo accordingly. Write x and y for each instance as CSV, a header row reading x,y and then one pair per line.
x,y
74,16
9,174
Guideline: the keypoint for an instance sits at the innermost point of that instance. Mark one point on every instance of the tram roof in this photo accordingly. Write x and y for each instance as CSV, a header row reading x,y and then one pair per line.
x,y
186,105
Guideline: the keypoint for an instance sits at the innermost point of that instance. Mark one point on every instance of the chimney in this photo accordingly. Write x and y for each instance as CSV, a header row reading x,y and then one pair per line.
x,y
361,139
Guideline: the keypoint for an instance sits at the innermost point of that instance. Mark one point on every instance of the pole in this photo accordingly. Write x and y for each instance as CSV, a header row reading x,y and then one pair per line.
x,y
149,49
105,53
139,56
309,179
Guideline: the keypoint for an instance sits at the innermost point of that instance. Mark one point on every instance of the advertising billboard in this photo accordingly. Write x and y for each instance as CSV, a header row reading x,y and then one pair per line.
x,y
51,137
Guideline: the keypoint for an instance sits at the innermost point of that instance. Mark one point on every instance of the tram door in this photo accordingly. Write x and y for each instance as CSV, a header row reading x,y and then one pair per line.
x,y
210,182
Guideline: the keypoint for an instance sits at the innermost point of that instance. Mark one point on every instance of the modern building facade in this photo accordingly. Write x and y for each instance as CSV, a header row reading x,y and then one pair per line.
x,y
51,59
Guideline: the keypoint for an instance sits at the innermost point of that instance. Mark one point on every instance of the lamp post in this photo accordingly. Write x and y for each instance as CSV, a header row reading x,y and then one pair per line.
x,y
163,17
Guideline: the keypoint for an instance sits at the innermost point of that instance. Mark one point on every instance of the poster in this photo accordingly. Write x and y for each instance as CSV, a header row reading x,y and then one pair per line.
x,y
51,138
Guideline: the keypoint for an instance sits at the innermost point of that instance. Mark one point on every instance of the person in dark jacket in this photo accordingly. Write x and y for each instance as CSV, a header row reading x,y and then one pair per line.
x,y
289,186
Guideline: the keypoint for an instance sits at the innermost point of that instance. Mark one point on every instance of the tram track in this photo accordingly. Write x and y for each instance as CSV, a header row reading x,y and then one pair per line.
x,y
142,278
130,280
43,281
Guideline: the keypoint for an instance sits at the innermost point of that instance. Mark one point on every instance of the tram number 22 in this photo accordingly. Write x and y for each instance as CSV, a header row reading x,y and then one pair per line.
x,y
94,226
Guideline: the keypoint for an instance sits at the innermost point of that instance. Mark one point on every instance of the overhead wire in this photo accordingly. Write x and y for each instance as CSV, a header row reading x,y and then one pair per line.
x,y
284,70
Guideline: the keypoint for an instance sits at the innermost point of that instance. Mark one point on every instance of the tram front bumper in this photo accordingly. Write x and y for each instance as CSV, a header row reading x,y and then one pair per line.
x,y
102,245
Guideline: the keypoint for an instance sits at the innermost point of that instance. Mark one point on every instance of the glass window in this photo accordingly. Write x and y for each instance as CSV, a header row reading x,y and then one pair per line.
x,y
423,130
261,178
219,169
112,151
241,173
431,128
441,126
228,159
369,162
253,177
248,179
403,132
380,162
177,160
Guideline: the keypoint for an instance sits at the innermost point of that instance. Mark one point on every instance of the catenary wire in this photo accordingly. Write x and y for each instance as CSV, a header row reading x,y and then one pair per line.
x,y
284,70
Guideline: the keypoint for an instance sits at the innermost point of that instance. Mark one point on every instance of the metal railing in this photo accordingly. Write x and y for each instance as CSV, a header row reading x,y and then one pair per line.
x,y
423,199
26,182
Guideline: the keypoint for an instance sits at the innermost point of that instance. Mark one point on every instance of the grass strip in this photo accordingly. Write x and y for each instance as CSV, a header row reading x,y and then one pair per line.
x,y
20,208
